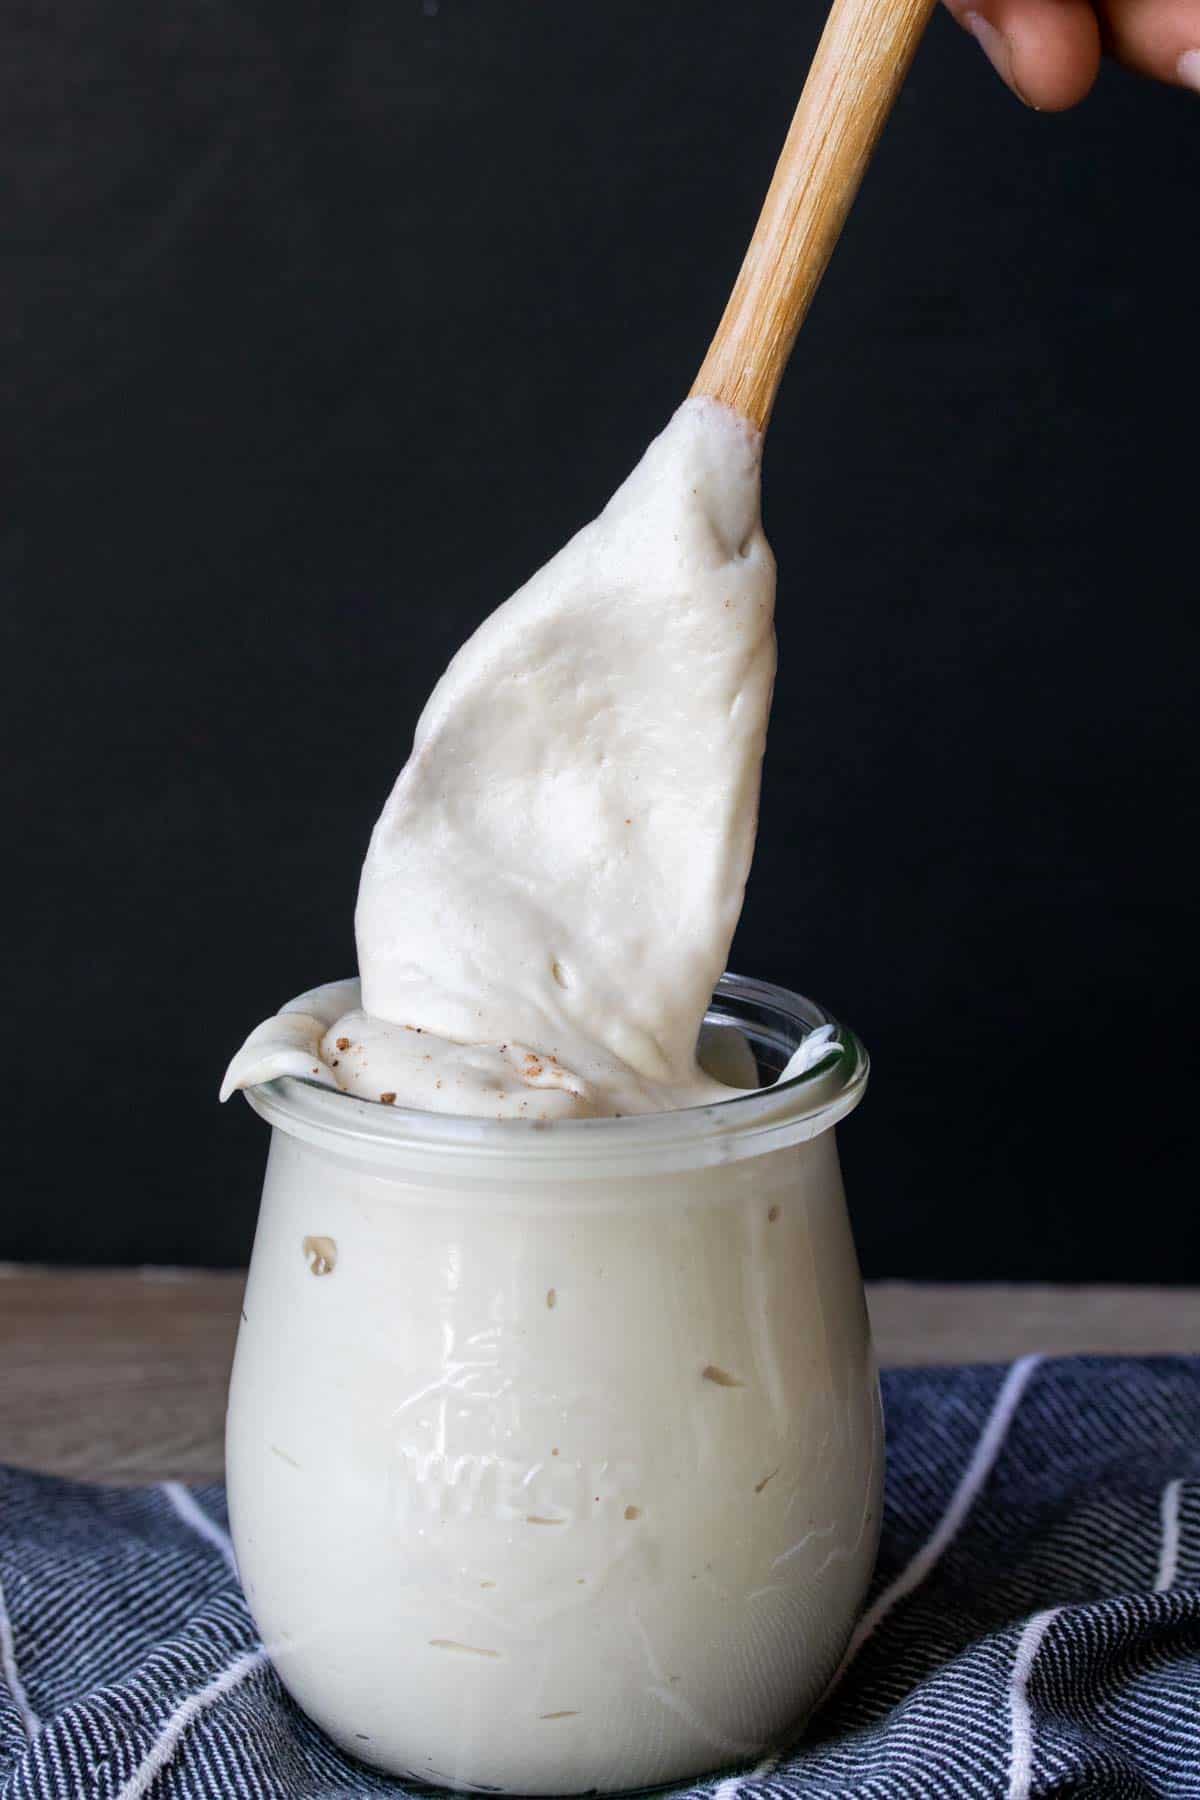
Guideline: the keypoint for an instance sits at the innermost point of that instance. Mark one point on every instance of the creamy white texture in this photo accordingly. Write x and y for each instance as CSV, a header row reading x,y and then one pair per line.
x,y
550,893
324,1036
561,1476
550,1484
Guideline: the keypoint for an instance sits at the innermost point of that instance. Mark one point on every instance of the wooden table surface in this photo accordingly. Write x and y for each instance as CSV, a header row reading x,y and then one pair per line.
x,y
119,1375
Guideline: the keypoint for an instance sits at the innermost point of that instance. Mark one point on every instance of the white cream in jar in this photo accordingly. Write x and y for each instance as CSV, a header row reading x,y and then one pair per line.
x,y
554,1452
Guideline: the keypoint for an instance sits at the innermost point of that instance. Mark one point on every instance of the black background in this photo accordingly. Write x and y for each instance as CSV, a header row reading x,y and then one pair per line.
x,y
324,325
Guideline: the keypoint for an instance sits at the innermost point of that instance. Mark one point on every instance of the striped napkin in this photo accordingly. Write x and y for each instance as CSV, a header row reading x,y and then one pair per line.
x,y
1034,1626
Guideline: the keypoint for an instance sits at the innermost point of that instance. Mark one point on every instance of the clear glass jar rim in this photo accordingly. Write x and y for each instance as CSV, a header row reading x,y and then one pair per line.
x,y
761,1119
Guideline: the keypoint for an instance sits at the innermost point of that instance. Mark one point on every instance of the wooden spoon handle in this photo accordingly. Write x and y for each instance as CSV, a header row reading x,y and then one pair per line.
x,y
860,65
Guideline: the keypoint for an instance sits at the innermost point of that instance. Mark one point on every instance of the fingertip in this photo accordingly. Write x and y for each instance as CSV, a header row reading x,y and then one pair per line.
x,y
1159,38
1056,50
1047,51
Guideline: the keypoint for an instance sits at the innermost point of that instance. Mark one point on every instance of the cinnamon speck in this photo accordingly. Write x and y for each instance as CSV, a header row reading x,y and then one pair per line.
x,y
772,1214
343,1043
760,1485
720,1377
388,1099
320,1253
633,1512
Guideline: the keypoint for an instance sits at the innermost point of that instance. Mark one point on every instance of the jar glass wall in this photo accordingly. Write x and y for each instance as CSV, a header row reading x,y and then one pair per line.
x,y
554,1451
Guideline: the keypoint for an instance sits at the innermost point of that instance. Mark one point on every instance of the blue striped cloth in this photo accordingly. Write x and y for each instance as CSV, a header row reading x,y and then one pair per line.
x,y
1034,1626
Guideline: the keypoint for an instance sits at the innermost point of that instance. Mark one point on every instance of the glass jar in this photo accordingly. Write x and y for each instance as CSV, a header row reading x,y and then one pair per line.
x,y
554,1450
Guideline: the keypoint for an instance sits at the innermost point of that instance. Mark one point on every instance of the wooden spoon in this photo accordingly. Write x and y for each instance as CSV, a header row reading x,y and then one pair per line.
x,y
860,65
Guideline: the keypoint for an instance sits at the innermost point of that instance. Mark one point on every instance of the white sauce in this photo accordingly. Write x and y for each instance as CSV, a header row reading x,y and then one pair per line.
x,y
551,890
557,1479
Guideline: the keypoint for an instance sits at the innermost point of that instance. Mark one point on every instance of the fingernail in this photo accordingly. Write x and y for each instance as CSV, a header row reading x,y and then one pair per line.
x,y
1188,69
996,48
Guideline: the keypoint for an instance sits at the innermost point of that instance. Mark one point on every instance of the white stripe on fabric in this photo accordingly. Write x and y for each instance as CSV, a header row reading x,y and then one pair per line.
x,y
164,1749
1020,1767
732,1786
961,1501
1168,1556
193,1514
8,1668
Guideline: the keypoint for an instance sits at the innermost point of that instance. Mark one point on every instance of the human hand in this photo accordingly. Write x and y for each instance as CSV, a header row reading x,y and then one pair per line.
x,y
1048,51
